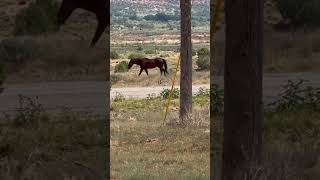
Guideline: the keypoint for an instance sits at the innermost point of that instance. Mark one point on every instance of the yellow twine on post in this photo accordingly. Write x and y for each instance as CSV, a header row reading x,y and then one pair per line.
x,y
170,93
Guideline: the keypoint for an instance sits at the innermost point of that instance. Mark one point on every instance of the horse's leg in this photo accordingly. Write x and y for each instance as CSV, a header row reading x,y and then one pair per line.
x,y
160,75
102,24
140,71
146,71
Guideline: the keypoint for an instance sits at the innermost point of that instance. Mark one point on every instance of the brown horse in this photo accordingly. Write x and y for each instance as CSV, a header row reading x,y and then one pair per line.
x,y
101,8
146,64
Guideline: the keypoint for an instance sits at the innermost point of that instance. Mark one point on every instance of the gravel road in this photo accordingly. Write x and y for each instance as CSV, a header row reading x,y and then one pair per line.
x,y
91,95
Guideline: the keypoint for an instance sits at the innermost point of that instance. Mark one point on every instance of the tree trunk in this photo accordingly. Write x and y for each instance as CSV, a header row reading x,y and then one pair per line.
x,y
186,62
243,88
108,89
214,131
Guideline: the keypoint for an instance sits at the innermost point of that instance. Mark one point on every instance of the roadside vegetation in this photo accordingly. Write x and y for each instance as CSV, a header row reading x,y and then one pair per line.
x,y
144,148
37,145
34,143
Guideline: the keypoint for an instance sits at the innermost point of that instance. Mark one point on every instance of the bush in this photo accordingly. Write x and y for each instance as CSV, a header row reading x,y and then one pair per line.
x,y
297,126
300,12
150,51
161,17
139,48
119,97
217,99
19,50
203,52
203,61
203,92
164,55
121,67
114,55
40,17
297,96
194,52
29,112
165,93
115,78
136,55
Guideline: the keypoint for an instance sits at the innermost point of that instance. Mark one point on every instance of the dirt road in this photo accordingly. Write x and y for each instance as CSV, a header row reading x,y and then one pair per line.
x,y
91,95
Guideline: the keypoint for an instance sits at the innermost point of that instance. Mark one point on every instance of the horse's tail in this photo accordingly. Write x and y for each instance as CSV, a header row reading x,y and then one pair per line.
x,y
165,66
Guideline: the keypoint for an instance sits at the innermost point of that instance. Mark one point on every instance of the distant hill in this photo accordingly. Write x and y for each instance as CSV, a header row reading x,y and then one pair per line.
x,y
122,8
159,2
10,8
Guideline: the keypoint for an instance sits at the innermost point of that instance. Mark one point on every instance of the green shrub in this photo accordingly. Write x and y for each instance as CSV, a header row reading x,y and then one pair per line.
x,y
136,55
29,112
301,126
19,50
114,55
161,17
300,12
115,78
203,52
203,92
40,17
217,99
166,92
297,96
194,52
150,51
203,61
164,55
139,48
121,67
119,97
